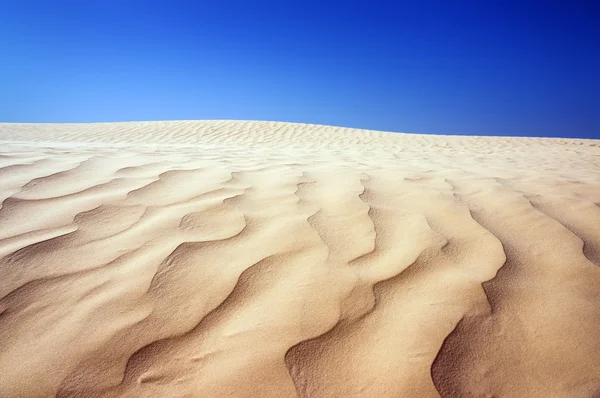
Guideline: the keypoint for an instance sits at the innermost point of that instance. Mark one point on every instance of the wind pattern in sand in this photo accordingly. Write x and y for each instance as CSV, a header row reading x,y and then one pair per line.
x,y
262,259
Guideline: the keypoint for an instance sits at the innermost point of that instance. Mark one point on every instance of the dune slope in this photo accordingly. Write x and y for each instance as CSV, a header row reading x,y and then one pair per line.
x,y
263,259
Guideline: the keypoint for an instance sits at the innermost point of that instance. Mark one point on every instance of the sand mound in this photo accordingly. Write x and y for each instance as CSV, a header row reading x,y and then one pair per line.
x,y
262,259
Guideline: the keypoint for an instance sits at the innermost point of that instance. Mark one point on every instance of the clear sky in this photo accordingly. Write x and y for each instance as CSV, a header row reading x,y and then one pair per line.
x,y
453,67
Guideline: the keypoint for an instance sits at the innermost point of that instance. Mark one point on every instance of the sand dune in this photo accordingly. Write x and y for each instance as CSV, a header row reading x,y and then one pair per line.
x,y
262,259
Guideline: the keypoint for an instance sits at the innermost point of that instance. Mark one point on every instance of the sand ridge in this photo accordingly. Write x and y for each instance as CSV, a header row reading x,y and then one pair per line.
x,y
264,259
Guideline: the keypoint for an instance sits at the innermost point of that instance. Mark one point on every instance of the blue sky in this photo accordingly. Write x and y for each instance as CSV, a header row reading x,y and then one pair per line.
x,y
449,67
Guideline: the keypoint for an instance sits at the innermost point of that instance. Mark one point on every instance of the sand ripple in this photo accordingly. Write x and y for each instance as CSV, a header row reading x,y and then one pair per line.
x,y
263,259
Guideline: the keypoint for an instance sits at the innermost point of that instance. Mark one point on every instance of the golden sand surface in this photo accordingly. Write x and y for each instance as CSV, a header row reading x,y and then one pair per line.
x,y
264,259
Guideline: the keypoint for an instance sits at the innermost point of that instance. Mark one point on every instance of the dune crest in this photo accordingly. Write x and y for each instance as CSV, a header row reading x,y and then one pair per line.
x,y
264,259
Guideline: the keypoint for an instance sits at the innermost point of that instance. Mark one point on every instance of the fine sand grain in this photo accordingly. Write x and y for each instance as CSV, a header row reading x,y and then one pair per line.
x,y
263,259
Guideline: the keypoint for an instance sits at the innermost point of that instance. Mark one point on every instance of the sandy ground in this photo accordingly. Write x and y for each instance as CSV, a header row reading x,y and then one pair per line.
x,y
260,259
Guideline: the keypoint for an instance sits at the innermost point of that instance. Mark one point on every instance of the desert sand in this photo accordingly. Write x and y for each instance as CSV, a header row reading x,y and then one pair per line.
x,y
263,259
